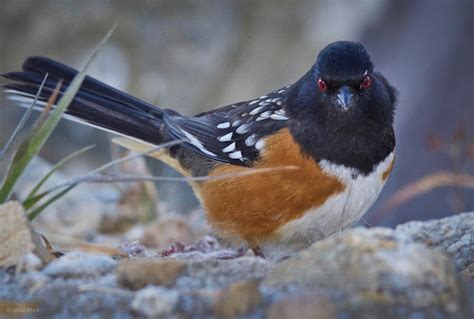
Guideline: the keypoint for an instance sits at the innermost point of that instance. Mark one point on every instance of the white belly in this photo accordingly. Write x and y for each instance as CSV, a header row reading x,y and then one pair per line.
x,y
337,213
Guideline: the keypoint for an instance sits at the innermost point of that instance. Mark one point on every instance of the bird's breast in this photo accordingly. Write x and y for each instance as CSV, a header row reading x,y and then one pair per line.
x,y
337,213
296,202
254,205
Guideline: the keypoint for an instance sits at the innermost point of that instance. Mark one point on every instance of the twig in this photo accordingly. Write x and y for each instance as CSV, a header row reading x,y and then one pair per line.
x,y
123,178
422,186
79,180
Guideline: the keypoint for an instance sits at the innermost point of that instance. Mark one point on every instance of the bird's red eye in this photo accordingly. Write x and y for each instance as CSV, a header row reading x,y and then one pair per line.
x,y
365,83
322,85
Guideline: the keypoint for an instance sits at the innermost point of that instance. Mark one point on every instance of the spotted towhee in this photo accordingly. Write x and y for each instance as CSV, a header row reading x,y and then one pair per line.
x,y
332,127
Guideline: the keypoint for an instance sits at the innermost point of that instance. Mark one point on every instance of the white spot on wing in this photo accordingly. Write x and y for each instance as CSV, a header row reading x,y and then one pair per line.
x,y
266,114
225,138
278,117
229,148
260,144
256,110
223,125
242,129
236,155
250,141
194,141
236,123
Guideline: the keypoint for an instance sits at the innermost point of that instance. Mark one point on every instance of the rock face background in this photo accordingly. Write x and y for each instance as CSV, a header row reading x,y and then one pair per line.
x,y
193,55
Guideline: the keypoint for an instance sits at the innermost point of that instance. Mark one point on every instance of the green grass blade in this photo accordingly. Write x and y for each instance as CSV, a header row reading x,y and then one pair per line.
x,y
25,117
35,212
34,144
30,199
26,151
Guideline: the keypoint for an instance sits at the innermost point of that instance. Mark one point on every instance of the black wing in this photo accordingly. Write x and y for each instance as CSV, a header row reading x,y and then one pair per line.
x,y
234,133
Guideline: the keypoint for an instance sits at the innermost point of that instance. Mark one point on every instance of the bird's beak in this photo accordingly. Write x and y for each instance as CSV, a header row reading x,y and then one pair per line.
x,y
344,97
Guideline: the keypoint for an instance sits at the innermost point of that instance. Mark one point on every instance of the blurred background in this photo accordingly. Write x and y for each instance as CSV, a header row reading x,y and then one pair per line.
x,y
194,55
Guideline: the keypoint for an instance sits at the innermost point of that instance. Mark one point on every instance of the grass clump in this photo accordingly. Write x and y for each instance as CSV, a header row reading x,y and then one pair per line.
x,y
18,152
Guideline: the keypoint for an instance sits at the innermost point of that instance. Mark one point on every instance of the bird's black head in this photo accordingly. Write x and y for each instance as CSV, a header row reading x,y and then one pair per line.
x,y
343,63
342,84
341,99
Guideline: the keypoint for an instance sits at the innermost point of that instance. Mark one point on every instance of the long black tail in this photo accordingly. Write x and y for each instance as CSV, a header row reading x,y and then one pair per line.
x,y
96,103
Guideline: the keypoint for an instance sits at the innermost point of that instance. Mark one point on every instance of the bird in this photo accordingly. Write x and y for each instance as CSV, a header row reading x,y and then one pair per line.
x,y
277,172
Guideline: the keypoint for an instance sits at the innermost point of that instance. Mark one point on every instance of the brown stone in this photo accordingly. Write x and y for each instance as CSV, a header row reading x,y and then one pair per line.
x,y
100,249
238,299
306,305
17,236
136,274
167,232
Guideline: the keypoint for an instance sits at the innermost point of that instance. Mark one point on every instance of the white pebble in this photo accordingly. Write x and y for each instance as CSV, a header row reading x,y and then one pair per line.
x,y
155,302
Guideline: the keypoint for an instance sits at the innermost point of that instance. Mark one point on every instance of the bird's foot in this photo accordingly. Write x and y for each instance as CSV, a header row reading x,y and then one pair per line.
x,y
257,251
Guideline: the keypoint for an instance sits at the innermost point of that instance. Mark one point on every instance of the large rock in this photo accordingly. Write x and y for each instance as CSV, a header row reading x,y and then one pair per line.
x,y
376,273
78,264
17,237
360,273
455,234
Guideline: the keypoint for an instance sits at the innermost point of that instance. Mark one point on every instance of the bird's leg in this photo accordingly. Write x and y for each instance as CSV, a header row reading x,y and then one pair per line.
x,y
257,251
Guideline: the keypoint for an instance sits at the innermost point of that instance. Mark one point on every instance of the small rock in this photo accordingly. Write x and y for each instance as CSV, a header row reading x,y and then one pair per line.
x,y
167,232
163,233
206,247
33,281
17,237
27,263
306,305
80,265
212,273
238,299
133,249
136,274
155,302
